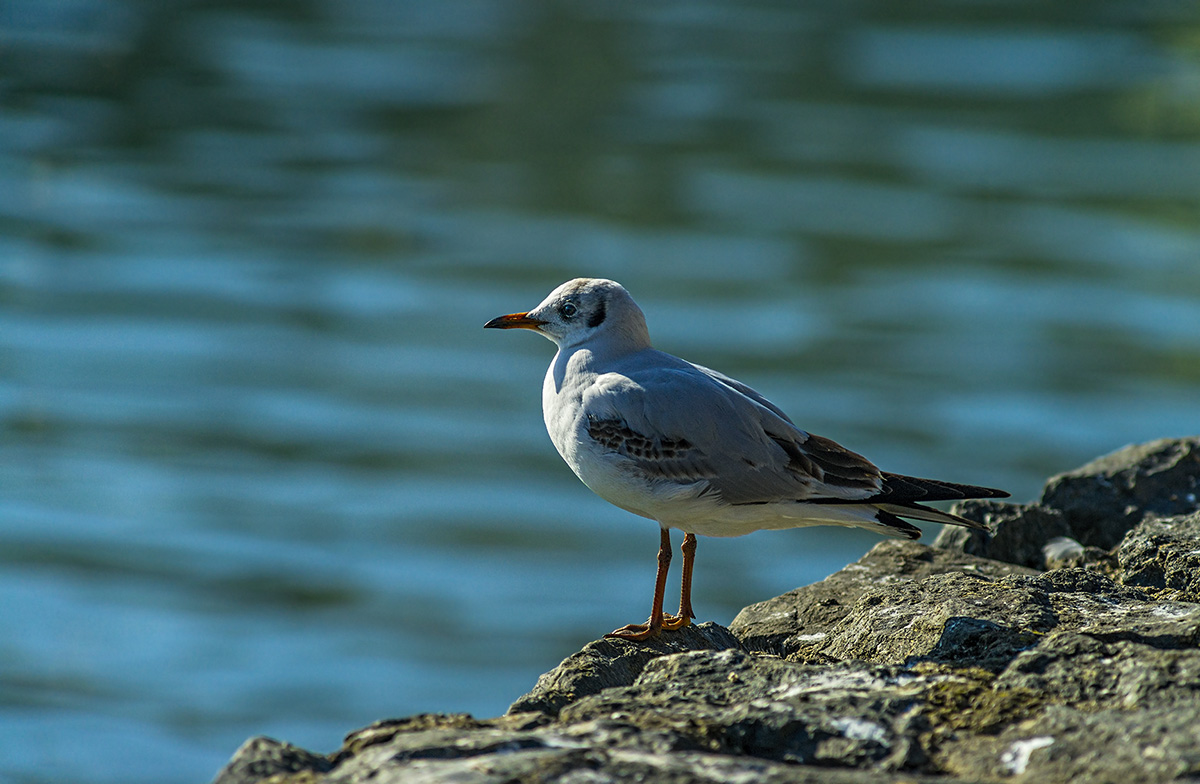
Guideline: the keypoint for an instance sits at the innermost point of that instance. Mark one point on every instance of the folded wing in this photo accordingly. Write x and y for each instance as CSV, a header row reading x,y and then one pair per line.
x,y
684,425
687,424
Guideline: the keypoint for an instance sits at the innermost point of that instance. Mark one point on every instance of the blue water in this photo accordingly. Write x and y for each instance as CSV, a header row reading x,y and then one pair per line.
x,y
262,471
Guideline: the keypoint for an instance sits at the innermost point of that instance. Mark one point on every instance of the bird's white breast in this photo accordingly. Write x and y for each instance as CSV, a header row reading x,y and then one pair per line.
x,y
605,473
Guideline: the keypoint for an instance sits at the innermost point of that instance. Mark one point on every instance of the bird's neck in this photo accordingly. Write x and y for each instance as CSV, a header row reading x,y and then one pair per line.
x,y
579,361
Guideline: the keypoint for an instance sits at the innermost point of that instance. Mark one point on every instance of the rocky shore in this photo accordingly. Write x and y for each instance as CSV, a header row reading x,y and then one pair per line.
x,y
1064,646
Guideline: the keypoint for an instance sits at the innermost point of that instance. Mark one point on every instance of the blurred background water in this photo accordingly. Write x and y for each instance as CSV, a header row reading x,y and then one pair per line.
x,y
262,471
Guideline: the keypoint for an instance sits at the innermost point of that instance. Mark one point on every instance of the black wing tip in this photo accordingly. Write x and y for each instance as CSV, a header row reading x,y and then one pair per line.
x,y
930,515
915,488
966,522
978,491
897,526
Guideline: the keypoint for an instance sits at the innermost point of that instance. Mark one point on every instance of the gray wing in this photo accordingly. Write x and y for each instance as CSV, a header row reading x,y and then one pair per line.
x,y
743,389
687,424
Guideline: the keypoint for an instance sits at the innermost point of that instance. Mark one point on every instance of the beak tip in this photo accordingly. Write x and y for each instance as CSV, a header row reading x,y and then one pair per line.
x,y
514,321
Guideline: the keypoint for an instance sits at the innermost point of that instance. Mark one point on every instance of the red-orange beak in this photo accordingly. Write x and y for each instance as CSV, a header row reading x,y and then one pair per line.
x,y
514,321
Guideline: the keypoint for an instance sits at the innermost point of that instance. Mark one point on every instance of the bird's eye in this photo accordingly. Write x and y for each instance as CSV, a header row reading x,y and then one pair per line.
x,y
568,310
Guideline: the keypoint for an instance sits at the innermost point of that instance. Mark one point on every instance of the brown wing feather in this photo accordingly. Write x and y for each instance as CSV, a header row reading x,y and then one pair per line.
x,y
828,462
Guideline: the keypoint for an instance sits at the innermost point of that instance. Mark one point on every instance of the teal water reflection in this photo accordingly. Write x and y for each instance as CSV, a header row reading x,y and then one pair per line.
x,y
262,471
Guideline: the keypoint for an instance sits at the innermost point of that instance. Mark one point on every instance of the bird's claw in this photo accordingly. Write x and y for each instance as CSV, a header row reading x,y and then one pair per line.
x,y
639,632
673,622
636,632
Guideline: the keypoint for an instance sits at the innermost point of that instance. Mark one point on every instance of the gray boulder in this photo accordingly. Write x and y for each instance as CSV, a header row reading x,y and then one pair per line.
x,y
964,662
1095,505
797,624
605,664
1104,499
1163,556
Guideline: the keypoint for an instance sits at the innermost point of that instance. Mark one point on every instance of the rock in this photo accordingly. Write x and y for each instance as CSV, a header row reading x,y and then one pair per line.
x,y
1063,552
731,702
1065,744
1095,505
966,619
1107,497
913,664
800,619
1082,670
262,758
1163,555
607,663
1019,532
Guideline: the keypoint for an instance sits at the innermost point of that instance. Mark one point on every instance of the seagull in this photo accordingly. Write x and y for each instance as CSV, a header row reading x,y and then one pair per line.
x,y
696,450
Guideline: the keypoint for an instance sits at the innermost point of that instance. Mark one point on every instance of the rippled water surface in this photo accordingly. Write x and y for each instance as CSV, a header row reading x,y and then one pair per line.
x,y
261,471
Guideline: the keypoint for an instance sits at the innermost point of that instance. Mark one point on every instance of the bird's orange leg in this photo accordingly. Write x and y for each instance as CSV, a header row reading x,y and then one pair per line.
x,y
651,628
688,548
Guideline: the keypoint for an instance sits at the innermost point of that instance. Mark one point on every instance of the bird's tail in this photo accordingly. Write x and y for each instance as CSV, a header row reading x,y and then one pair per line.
x,y
929,515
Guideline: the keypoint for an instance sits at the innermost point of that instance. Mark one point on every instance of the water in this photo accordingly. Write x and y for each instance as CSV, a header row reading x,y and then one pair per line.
x,y
262,471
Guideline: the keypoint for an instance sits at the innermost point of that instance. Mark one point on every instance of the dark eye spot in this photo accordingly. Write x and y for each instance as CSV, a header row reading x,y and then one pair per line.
x,y
568,310
598,315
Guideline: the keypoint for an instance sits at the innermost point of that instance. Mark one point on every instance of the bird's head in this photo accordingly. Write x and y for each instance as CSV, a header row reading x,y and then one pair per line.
x,y
583,310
